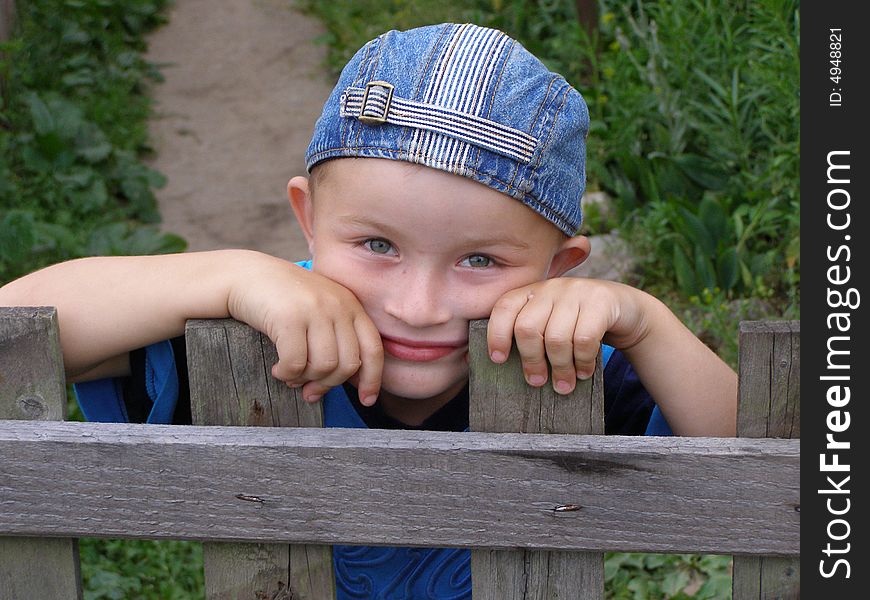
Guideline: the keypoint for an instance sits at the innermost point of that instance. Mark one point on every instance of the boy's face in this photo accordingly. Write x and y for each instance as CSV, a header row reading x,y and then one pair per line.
x,y
425,252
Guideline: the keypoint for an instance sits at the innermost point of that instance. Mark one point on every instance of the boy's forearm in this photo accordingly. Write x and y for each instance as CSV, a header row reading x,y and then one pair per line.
x,y
695,389
108,306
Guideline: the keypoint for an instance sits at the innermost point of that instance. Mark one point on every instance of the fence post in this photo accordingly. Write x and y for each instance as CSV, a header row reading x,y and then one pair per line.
x,y
229,366
769,407
32,388
502,402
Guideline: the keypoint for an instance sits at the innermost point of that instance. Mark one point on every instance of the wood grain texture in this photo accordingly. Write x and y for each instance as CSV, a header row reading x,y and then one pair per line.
x,y
769,379
502,401
229,365
769,407
371,487
31,365
32,388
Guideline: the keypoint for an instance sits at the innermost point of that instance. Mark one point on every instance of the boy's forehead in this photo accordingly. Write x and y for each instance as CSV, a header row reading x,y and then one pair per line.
x,y
383,193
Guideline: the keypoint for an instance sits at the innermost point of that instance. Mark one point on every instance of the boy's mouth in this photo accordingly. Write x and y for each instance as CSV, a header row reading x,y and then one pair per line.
x,y
420,350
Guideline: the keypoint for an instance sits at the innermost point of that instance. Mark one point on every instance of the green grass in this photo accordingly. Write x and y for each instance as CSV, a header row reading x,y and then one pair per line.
x,y
146,570
73,124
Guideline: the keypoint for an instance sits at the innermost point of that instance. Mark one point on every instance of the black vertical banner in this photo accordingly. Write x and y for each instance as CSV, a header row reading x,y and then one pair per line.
x,y
835,425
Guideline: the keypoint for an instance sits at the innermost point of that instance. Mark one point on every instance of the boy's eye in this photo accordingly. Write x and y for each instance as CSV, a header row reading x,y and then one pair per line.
x,y
478,261
378,246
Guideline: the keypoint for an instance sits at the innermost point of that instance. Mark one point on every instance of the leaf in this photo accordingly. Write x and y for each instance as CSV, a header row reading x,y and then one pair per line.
x,y
714,219
685,273
94,149
674,582
51,236
81,77
705,172
697,232
91,199
727,268
17,236
43,121
704,272
77,177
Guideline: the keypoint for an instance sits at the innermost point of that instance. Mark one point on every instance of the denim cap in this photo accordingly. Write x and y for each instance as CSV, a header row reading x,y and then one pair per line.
x,y
467,100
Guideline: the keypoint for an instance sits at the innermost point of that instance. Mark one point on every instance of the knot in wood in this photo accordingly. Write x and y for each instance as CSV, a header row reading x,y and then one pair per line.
x,y
32,405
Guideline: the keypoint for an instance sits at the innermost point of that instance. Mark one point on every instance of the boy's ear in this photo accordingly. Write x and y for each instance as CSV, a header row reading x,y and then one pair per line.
x,y
300,201
572,252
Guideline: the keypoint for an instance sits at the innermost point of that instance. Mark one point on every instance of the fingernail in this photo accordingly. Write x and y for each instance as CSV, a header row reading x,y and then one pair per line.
x,y
313,398
563,387
497,356
537,380
369,400
583,375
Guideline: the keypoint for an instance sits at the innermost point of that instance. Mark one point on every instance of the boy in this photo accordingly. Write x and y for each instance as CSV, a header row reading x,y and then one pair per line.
x,y
446,175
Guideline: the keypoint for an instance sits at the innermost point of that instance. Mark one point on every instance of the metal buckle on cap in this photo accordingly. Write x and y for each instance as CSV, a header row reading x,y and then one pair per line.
x,y
381,117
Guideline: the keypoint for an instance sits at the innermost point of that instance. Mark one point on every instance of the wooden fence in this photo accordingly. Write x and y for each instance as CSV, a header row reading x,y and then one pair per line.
x,y
268,503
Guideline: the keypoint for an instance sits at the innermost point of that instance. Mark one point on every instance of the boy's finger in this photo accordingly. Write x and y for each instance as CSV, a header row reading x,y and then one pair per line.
x,y
292,354
313,391
500,330
322,350
590,329
529,332
371,351
559,342
348,355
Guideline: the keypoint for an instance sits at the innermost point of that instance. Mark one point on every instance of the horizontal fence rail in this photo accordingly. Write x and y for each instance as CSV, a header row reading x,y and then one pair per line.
x,y
480,490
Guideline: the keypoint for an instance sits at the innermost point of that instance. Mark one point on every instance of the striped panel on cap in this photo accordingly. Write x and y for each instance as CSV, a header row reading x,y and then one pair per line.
x,y
442,128
446,118
464,70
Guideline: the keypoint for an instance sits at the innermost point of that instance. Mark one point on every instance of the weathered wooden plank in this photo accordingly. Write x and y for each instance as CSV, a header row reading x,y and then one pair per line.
x,y
230,384
769,407
31,365
502,401
766,577
769,379
371,487
32,388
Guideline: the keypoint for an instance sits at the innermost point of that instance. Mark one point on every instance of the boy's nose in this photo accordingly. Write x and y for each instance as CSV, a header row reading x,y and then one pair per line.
x,y
418,300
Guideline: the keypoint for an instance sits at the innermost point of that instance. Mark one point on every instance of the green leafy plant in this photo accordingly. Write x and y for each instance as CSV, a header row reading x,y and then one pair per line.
x,y
72,134
711,251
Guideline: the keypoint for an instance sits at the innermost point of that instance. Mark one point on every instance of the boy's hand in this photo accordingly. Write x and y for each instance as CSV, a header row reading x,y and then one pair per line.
x,y
320,330
564,321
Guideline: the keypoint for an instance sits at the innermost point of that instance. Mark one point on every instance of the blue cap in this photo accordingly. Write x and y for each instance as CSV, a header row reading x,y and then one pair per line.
x,y
468,100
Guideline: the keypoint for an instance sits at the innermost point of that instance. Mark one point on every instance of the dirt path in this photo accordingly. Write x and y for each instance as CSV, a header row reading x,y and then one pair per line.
x,y
244,85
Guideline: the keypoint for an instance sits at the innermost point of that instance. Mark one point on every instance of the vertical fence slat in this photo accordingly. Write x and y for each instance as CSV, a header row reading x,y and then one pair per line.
x,y
501,401
769,407
231,384
32,388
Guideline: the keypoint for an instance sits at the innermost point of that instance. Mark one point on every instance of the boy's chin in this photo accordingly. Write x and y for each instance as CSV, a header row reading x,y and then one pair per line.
x,y
413,383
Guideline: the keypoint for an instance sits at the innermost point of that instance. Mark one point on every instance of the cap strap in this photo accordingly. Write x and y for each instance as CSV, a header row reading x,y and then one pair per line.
x,y
375,104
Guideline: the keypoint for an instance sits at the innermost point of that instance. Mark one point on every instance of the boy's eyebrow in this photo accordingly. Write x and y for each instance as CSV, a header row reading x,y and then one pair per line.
x,y
508,240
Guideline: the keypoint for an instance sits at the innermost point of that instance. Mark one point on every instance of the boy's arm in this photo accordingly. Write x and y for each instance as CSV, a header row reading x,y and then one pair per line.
x,y
563,321
108,306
